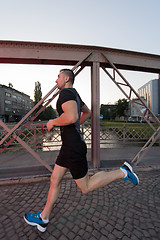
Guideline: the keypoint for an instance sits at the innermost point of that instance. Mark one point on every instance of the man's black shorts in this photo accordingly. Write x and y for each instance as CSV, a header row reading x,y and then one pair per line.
x,y
74,158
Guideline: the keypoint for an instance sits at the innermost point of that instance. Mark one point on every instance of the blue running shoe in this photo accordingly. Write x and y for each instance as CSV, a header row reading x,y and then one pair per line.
x,y
35,220
131,176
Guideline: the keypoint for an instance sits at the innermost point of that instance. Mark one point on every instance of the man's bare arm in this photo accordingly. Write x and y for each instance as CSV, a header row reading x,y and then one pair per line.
x,y
86,113
69,115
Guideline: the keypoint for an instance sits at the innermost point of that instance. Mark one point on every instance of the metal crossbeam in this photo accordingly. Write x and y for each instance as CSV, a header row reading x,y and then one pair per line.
x,y
25,117
147,146
82,56
79,63
11,131
125,83
21,52
30,150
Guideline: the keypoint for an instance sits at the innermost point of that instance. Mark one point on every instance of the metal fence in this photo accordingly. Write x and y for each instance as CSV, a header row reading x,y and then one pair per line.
x,y
39,139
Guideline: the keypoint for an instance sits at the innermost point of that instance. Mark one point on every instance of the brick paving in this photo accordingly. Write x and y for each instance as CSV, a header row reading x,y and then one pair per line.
x,y
117,211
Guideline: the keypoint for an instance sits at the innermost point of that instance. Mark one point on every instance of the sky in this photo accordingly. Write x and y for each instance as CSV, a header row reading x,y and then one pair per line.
x,y
120,24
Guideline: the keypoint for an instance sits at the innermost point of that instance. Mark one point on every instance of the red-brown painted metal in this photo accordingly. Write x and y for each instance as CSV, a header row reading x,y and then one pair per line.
x,y
125,83
79,56
95,87
10,132
69,54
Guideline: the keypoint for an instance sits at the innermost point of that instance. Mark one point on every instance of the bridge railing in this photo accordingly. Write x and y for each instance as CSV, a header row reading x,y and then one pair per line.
x,y
39,139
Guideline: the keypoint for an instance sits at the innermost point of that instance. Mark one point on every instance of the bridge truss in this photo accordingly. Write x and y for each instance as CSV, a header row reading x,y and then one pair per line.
x,y
79,57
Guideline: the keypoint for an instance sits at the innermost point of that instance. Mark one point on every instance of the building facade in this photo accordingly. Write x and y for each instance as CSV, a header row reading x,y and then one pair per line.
x,y
134,113
151,93
13,104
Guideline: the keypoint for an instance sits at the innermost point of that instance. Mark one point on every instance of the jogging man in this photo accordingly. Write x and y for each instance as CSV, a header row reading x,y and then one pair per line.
x,y
73,112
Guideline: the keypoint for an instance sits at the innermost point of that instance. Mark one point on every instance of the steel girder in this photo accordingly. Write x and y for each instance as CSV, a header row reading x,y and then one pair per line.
x,y
125,83
20,52
12,132
81,56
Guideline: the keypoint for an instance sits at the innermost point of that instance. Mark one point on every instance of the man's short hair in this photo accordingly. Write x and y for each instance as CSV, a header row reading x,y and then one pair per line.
x,y
69,73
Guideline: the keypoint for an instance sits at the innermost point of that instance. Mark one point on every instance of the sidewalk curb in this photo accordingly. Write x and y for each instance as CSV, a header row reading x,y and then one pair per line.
x,y
46,178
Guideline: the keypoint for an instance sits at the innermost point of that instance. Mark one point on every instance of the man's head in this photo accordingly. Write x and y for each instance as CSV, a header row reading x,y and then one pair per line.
x,y
68,73
65,78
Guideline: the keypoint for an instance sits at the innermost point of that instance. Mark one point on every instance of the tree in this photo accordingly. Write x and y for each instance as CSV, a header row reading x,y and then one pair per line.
x,y
10,85
37,92
38,97
48,113
121,107
108,111
103,111
111,111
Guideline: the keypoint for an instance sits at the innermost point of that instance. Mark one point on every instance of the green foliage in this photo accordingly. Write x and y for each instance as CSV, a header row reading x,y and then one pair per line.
x,y
48,113
38,97
108,113
37,92
10,85
121,107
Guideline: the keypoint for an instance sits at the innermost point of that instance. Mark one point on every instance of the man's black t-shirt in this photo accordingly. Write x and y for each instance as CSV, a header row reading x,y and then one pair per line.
x,y
73,151
70,134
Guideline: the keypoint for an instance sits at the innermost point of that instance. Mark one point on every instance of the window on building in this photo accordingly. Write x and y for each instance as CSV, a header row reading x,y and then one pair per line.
x,y
7,102
20,104
139,91
19,98
7,109
142,92
149,87
8,94
14,103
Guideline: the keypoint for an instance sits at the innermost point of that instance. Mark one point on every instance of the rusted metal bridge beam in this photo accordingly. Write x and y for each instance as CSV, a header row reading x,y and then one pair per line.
x,y
95,100
125,83
80,56
13,130
68,54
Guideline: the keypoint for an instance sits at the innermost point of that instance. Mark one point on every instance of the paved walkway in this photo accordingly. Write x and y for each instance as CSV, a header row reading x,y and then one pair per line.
x,y
23,164
25,159
118,211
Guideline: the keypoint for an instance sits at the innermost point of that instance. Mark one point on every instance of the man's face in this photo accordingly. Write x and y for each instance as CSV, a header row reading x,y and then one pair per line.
x,y
61,80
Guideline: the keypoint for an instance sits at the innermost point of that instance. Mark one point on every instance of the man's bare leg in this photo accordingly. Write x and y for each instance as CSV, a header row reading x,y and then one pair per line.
x,y
98,180
86,185
54,190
